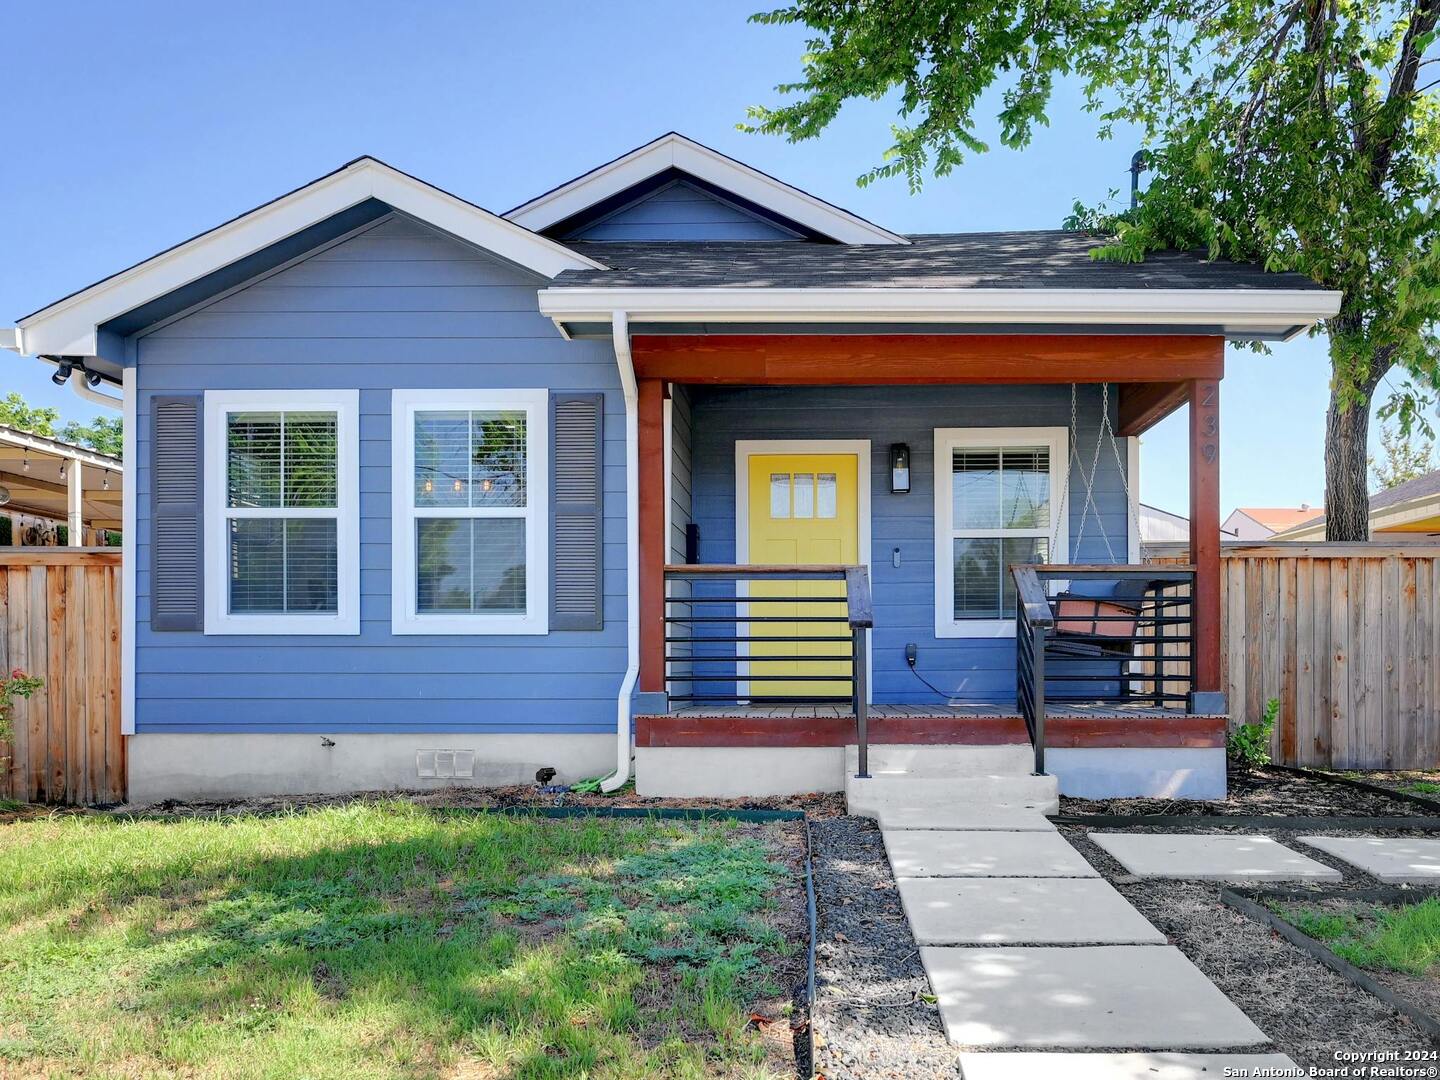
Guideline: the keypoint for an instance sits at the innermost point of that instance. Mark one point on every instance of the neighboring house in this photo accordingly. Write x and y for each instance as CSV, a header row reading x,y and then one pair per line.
x,y
407,476
1161,526
1263,522
1408,513
51,490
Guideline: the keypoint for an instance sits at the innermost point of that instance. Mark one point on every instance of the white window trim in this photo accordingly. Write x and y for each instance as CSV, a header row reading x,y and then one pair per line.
x,y
346,406
947,440
404,619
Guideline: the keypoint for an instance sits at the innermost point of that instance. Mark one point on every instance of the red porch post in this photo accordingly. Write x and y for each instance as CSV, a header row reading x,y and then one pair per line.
x,y
1204,398
651,446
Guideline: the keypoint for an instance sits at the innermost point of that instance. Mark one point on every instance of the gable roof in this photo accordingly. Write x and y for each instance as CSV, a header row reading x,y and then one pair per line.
x,y
70,326
672,153
1415,500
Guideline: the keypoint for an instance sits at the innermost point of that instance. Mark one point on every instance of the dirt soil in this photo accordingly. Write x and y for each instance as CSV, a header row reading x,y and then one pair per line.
x,y
1264,792
815,805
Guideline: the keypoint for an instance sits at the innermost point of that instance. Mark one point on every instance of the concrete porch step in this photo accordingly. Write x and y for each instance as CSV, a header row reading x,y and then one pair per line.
x,y
869,797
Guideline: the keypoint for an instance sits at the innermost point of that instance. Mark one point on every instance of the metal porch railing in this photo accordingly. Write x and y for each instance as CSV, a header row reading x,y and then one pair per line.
x,y
1101,635
738,634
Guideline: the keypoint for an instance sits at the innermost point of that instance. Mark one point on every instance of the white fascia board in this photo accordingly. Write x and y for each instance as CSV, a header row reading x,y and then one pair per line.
x,y
724,172
68,327
1256,310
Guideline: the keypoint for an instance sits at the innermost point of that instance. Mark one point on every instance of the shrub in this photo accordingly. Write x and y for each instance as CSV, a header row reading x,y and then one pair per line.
x,y
16,684
1249,744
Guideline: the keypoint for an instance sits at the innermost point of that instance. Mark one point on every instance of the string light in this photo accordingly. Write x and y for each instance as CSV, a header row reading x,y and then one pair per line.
x,y
487,484
429,485
106,482
62,470
457,486
26,466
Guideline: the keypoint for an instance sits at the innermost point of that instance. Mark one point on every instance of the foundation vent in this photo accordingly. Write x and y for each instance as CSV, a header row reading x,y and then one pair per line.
x,y
445,764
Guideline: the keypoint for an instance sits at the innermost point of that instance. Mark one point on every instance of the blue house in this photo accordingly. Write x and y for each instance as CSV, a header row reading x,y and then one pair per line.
x,y
675,472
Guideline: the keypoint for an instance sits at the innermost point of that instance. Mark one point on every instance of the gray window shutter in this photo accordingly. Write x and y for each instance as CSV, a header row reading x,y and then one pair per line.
x,y
176,568
577,494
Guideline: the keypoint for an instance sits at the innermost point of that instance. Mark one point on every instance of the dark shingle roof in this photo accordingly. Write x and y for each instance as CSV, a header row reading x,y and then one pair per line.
x,y
1052,259
1419,488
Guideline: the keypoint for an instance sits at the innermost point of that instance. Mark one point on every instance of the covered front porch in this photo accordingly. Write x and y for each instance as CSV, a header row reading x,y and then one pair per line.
x,y
919,632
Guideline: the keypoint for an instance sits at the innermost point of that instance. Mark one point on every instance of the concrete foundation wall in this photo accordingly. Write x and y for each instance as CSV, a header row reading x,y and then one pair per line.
x,y
1112,773
214,766
734,772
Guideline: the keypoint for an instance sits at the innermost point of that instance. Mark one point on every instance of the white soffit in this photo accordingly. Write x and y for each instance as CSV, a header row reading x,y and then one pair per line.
x,y
678,152
68,327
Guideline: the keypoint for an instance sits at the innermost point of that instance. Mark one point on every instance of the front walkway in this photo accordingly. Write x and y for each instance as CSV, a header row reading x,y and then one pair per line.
x,y
1029,952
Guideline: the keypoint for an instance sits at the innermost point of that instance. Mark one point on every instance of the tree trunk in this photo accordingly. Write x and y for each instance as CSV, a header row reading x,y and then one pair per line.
x,y
1347,499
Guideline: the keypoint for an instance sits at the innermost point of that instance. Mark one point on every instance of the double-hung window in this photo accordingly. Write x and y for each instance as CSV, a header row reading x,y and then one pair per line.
x,y
997,494
281,512
470,487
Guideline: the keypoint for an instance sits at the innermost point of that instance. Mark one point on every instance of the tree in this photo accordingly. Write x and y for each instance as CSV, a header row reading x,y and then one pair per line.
x,y
1404,457
16,412
104,434
1298,134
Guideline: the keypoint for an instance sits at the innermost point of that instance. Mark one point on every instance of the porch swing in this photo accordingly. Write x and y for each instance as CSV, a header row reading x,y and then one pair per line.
x,y
1099,626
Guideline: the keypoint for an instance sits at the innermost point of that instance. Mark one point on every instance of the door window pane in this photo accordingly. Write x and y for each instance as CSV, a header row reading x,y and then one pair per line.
x,y
804,495
825,497
779,495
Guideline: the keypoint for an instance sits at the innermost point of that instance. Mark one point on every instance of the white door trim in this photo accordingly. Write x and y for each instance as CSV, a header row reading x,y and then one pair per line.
x,y
747,448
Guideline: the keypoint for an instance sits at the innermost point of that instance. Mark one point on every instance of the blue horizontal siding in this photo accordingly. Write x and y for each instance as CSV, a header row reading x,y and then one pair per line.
x,y
398,306
967,669
681,212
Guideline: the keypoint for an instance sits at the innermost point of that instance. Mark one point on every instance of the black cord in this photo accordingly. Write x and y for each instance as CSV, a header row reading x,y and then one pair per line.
x,y
938,692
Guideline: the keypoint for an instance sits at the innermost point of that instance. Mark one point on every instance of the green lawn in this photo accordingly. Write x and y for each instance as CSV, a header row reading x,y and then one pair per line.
x,y
1404,939
386,940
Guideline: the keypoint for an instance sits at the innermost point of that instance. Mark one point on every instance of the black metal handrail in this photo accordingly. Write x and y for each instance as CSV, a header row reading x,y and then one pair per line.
x,y
1131,649
703,601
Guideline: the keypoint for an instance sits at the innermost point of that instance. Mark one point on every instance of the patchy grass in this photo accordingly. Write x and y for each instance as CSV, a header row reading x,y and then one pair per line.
x,y
1404,939
387,940
1421,787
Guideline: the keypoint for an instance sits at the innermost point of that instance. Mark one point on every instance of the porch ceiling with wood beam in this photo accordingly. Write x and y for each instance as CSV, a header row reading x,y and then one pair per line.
x,y
31,470
1152,370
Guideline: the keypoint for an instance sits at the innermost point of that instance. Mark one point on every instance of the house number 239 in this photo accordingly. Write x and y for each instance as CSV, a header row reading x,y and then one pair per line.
x,y
1209,420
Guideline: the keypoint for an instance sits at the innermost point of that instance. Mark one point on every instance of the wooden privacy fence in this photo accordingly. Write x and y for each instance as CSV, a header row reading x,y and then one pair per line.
x,y
60,620
1346,637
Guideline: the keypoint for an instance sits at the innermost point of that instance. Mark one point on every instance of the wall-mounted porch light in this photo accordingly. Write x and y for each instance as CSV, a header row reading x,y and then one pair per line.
x,y
899,469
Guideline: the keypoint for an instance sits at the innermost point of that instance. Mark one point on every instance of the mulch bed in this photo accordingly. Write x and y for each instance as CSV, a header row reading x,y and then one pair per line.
x,y
1262,793
874,1018
815,805
1309,1011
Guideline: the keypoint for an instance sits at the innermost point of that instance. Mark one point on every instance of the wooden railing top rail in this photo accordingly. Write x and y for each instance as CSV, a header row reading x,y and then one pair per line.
x,y
857,580
60,556
1033,601
1148,571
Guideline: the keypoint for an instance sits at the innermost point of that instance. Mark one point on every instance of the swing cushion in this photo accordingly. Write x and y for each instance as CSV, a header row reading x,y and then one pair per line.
x,y
1101,616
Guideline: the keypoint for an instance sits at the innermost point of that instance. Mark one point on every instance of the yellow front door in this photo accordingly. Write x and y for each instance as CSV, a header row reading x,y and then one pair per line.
x,y
804,510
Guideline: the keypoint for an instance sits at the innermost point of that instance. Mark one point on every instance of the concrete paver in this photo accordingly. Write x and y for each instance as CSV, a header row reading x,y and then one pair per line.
x,y
1199,857
1388,858
1112,996
1021,911
917,853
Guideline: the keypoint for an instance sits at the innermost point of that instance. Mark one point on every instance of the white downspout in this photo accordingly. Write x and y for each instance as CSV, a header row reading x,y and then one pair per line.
x,y
82,388
620,330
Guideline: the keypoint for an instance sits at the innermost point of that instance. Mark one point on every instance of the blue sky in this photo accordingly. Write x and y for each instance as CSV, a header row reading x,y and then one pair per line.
x,y
130,127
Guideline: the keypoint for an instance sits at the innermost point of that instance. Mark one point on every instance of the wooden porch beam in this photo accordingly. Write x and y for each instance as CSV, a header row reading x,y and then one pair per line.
x,y
899,359
651,449
1204,399
1143,405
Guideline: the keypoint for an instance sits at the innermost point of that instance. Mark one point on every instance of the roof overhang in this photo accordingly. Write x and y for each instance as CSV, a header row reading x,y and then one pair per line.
x,y
674,151
1400,517
70,327
1248,314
